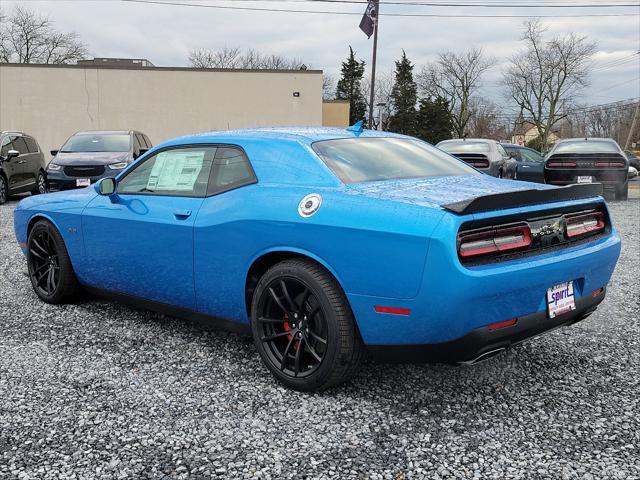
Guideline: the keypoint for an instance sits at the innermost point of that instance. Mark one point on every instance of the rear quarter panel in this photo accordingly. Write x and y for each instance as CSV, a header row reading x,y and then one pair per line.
x,y
373,247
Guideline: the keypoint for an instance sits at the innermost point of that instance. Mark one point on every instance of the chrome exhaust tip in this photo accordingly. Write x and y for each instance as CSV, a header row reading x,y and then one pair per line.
x,y
484,356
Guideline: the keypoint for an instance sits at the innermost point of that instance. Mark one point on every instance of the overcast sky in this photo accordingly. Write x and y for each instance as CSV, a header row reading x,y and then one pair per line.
x,y
165,34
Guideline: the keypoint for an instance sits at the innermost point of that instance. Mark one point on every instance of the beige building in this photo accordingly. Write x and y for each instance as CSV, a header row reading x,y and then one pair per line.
x,y
51,102
335,113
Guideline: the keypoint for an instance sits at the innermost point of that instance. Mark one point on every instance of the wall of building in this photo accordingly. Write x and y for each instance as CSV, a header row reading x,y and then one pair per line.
x,y
335,113
52,102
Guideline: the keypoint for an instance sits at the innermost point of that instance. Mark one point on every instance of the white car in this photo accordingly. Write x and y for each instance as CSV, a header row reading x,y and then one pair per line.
x,y
633,173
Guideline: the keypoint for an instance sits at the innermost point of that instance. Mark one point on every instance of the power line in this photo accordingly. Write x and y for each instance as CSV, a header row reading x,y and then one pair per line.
x,y
454,4
333,12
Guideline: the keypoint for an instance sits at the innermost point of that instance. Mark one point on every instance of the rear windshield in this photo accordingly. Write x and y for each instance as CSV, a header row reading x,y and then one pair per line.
x,y
587,146
97,143
465,147
374,159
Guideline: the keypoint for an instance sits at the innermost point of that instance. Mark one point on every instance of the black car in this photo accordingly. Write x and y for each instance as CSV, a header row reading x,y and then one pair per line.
x,y
588,160
86,157
21,165
530,166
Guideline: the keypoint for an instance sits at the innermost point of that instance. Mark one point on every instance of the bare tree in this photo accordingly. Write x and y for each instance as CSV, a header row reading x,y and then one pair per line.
x,y
328,86
29,37
234,57
384,106
544,77
486,121
456,78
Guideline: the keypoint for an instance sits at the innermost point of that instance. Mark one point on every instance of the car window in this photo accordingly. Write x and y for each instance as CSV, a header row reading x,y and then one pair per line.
x,y
531,156
355,160
6,146
231,169
140,141
464,146
98,142
20,145
586,146
501,150
136,144
179,172
513,151
32,145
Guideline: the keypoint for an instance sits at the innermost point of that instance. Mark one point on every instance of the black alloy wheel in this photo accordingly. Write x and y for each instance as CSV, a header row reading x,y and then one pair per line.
x,y
4,190
303,327
50,270
41,184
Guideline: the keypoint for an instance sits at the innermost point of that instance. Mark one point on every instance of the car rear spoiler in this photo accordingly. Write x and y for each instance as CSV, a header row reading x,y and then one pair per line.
x,y
520,198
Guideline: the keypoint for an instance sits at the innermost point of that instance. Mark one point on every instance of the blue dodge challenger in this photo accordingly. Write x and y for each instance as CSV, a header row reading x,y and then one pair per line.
x,y
327,243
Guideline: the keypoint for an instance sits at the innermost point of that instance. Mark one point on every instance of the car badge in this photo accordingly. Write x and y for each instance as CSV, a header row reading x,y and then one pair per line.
x,y
309,205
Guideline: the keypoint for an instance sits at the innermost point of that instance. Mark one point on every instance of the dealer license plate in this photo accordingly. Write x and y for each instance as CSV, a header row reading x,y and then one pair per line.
x,y
585,179
83,182
561,299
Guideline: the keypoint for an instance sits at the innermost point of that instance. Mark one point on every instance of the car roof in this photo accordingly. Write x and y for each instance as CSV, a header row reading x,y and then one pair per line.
x,y
104,132
469,140
587,139
304,135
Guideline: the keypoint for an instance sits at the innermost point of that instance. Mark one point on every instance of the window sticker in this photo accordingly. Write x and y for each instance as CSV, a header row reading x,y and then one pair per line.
x,y
176,171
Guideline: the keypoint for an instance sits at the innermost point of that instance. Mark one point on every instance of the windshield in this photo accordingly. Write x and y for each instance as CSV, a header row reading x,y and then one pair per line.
x,y
465,147
97,143
374,159
587,146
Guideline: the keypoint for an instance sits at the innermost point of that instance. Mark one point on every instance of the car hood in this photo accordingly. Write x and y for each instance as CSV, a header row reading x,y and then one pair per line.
x,y
91,158
437,191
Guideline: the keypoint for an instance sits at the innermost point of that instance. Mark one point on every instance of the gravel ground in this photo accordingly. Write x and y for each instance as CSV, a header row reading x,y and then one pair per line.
x,y
99,390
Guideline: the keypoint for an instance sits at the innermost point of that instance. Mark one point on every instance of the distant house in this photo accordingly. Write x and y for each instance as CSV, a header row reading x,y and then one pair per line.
x,y
526,132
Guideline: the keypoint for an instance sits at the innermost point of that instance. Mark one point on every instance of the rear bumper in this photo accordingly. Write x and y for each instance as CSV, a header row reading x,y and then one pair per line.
x,y
569,176
482,343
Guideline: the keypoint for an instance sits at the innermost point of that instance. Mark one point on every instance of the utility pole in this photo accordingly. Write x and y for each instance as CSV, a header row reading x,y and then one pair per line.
x,y
373,62
633,127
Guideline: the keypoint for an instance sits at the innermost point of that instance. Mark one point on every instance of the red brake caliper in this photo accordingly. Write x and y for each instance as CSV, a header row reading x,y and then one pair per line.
x,y
286,328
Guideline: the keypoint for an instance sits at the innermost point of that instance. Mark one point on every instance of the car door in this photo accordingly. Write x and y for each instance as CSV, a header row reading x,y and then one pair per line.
x,y
10,167
139,241
530,166
221,238
20,179
34,160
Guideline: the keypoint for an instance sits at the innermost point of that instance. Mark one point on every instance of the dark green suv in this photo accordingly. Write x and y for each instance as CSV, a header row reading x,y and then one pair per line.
x,y
22,167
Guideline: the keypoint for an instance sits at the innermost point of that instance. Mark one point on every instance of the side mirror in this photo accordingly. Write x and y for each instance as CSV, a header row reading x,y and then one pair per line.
x,y
12,154
107,186
53,153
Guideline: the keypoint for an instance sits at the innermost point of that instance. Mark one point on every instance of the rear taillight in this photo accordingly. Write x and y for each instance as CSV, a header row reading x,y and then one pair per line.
x,y
501,239
558,164
583,223
479,163
603,164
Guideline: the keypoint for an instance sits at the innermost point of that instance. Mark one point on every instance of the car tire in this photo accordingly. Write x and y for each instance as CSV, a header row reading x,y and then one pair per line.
x,y
303,327
622,192
4,190
41,184
50,270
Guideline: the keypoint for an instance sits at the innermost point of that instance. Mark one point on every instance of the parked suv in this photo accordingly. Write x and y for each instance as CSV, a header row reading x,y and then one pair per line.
x,y
588,160
86,157
488,156
21,165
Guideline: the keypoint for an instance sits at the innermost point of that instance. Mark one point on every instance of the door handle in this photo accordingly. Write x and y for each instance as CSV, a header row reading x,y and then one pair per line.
x,y
525,166
182,214
21,162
